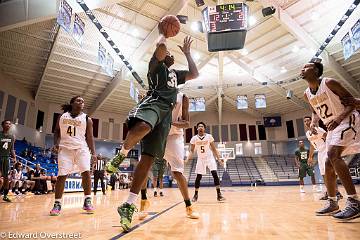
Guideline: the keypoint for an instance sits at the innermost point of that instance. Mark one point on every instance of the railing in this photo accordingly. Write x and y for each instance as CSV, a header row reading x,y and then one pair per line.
x,y
27,163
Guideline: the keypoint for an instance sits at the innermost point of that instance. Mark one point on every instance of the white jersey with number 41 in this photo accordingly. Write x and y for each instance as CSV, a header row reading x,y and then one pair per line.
x,y
73,131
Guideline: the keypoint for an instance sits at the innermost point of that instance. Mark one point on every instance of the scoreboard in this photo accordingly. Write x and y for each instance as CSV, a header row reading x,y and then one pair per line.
x,y
226,17
226,26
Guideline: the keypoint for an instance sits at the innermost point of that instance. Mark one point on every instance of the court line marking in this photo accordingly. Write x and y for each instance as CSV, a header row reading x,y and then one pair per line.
x,y
144,222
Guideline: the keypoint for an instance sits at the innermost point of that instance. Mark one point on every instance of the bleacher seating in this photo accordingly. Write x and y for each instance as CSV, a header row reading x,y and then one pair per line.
x,y
354,167
284,167
45,162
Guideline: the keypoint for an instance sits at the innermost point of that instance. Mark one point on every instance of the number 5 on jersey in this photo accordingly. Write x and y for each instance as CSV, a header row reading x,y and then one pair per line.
x,y
202,148
71,131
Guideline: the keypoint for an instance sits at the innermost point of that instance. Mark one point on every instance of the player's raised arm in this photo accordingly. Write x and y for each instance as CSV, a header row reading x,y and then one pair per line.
x,y
185,48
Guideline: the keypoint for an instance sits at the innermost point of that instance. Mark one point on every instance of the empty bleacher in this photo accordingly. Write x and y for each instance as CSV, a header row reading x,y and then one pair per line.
x,y
284,167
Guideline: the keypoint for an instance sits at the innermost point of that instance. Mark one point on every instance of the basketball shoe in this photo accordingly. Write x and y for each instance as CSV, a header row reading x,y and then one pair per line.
x,y
56,209
88,207
6,198
113,165
351,210
195,198
220,197
190,213
126,212
144,206
331,207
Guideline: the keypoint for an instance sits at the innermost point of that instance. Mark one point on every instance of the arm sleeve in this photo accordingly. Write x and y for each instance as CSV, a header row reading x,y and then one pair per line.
x,y
180,75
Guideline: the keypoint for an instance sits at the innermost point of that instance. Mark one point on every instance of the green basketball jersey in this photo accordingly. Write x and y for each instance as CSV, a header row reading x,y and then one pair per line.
x,y
164,81
303,154
6,144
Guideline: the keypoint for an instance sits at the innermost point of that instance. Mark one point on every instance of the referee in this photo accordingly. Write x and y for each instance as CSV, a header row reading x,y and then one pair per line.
x,y
99,173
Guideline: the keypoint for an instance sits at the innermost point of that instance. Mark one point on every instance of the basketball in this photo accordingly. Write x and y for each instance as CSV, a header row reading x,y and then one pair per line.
x,y
169,26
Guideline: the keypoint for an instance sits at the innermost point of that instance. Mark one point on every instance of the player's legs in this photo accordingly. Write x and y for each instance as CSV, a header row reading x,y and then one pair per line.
x,y
197,186
352,208
214,173
302,174
82,160
154,182
4,172
102,182
96,180
145,203
342,170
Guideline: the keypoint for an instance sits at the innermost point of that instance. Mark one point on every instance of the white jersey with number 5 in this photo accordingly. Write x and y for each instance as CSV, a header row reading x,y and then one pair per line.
x,y
73,131
202,145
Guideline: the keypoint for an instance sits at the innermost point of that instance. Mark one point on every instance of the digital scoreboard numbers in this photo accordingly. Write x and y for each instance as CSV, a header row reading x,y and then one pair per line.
x,y
227,17
226,26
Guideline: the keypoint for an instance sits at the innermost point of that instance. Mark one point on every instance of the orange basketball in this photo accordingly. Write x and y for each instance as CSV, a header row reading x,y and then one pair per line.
x,y
170,26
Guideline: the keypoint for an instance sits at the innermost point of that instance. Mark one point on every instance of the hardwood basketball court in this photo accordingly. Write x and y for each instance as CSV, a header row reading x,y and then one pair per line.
x,y
248,213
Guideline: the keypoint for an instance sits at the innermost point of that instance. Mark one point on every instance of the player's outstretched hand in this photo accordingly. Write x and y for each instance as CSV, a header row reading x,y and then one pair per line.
x,y
185,48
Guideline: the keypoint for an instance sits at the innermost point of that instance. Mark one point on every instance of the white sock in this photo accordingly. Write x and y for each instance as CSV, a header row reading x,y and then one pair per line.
x,y
124,151
354,196
333,198
58,200
155,189
301,186
131,198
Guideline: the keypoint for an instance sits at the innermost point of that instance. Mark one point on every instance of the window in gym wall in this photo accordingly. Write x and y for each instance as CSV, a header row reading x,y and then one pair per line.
x,y
258,150
1,99
252,132
224,133
10,108
22,112
55,118
243,132
215,131
40,119
262,132
290,129
300,127
239,149
233,133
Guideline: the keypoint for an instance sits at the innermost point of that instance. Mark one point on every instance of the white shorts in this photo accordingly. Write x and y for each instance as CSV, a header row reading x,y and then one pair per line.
x,y
73,160
346,134
322,156
202,163
174,152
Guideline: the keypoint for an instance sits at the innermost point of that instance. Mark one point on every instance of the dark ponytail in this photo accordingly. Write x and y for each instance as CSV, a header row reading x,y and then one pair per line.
x,y
67,106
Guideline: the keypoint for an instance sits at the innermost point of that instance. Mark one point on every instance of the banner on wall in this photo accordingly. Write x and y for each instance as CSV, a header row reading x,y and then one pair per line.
x,y
64,15
102,56
109,65
74,185
347,46
355,31
79,29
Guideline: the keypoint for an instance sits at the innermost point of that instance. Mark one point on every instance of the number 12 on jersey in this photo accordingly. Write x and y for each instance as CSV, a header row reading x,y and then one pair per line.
x,y
71,131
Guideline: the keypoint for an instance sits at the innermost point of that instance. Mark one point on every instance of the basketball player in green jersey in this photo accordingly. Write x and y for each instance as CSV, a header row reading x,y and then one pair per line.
x,y
302,162
149,122
6,149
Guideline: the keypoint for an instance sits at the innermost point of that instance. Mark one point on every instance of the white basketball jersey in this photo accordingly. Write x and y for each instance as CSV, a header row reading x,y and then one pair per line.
x,y
317,140
325,102
202,145
73,131
177,115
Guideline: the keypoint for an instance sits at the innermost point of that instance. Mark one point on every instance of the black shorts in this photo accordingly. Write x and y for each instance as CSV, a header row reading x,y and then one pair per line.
x,y
4,166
